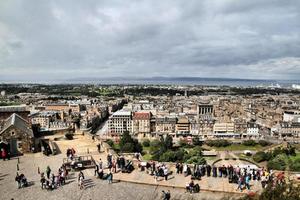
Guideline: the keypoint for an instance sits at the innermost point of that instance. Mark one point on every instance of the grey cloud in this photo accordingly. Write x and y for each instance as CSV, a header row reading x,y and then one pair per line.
x,y
208,38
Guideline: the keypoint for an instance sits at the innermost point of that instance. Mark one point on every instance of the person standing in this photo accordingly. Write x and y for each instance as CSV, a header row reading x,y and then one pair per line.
x,y
18,180
48,172
99,147
110,177
80,179
166,173
100,164
3,154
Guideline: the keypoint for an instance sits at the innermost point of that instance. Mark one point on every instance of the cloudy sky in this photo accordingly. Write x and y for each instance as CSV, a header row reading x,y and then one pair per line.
x,y
47,40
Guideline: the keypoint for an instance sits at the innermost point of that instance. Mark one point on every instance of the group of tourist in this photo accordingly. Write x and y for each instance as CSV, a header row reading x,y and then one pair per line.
x,y
52,181
242,176
156,169
99,170
21,180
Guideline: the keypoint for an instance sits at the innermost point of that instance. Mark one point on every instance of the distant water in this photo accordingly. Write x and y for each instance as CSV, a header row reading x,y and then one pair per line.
x,y
168,81
190,81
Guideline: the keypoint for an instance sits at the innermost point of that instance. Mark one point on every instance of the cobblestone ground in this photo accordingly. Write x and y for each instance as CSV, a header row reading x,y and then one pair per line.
x,y
94,188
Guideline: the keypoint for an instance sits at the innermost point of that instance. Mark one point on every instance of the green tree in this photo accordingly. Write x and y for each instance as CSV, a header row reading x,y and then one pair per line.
x,y
168,142
197,141
196,160
278,163
295,165
128,144
146,143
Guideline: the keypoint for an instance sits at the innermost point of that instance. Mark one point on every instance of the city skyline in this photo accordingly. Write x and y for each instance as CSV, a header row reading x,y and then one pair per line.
x,y
48,41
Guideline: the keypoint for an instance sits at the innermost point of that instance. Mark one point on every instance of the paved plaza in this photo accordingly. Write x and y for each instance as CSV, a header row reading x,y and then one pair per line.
x,y
137,185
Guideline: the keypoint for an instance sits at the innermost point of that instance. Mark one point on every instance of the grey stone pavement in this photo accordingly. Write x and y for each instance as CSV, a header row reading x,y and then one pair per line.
x,y
94,188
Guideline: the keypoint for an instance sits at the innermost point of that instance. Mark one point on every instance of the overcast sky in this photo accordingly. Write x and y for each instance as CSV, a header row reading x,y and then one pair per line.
x,y
92,38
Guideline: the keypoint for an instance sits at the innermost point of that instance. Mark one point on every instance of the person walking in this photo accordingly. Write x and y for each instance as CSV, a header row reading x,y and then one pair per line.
x,y
96,171
247,182
240,183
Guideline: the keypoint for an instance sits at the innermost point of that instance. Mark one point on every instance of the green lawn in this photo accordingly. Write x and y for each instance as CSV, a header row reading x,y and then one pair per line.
x,y
147,157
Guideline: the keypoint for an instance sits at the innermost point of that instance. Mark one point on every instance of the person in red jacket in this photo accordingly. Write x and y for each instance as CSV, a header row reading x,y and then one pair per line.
x,y
3,154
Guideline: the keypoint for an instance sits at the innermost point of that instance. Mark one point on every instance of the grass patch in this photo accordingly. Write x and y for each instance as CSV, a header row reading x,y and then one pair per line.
x,y
147,157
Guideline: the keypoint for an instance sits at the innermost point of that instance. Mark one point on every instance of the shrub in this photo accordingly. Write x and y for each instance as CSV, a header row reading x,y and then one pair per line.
x,y
278,163
127,147
264,143
183,143
171,156
110,142
197,141
249,143
69,136
261,156
196,160
218,143
146,143
295,165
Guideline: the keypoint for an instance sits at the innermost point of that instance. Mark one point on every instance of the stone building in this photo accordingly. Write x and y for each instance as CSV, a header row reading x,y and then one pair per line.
x,y
165,124
182,126
7,111
18,134
120,122
44,118
141,123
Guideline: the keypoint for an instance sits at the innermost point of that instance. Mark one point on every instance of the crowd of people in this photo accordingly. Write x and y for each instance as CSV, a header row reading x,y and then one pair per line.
x,y
52,181
242,176
155,169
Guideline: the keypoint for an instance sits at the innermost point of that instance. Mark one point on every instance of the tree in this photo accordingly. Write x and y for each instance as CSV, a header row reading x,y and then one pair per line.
x,y
110,142
295,165
196,160
278,163
128,144
197,141
168,142
146,143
